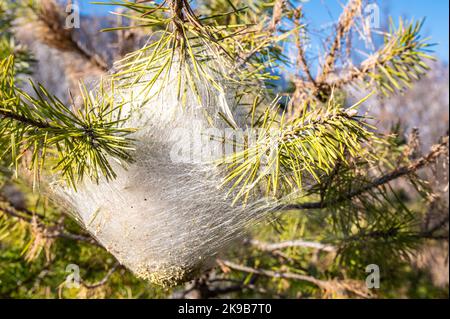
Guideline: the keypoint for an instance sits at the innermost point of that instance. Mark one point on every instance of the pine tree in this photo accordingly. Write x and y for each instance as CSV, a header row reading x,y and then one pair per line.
x,y
336,181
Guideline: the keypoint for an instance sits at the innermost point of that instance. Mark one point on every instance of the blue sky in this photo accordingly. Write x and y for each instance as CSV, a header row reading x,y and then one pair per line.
x,y
322,12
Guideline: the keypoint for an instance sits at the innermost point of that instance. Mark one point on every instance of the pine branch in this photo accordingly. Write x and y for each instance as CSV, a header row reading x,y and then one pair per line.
x,y
431,157
277,14
82,143
399,62
431,232
263,39
235,45
207,288
286,153
301,57
319,88
25,120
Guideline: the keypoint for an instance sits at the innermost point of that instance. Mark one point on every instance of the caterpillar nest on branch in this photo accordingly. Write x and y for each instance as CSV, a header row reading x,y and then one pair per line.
x,y
165,219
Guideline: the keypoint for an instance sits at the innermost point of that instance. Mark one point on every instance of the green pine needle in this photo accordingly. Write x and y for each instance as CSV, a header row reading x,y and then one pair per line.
x,y
79,142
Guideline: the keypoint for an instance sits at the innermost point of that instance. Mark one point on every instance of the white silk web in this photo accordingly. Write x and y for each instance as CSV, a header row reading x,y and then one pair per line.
x,y
167,220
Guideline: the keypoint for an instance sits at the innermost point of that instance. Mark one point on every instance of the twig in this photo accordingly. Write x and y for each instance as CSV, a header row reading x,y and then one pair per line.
x,y
104,280
291,243
430,233
276,18
301,57
269,273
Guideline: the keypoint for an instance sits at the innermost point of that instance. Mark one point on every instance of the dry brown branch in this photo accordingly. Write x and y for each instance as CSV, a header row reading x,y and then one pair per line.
x,y
277,14
345,23
290,244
